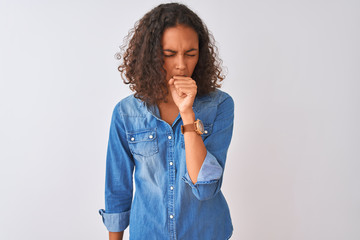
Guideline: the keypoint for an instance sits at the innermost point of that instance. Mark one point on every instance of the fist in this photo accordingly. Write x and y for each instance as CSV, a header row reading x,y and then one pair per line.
x,y
183,91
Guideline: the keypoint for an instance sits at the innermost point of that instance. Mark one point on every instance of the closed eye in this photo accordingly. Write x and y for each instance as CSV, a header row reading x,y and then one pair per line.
x,y
173,52
174,55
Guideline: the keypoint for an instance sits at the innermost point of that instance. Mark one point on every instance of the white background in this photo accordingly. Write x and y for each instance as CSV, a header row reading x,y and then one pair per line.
x,y
293,167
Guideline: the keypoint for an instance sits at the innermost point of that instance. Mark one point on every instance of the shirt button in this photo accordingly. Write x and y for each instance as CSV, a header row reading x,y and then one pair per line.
x,y
205,132
171,216
171,163
151,136
169,137
171,188
132,139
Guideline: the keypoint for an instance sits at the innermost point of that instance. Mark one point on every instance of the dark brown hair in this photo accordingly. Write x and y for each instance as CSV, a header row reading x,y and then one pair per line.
x,y
143,60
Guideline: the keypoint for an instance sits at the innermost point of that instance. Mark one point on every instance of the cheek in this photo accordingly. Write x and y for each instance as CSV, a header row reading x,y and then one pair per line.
x,y
168,67
167,64
193,64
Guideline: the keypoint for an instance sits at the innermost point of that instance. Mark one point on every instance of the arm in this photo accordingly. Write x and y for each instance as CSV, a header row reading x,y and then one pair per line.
x,y
195,150
183,91
118,181
116,235
205,160
209,178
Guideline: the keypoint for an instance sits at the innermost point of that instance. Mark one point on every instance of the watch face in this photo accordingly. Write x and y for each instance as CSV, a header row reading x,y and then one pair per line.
x,y
200,126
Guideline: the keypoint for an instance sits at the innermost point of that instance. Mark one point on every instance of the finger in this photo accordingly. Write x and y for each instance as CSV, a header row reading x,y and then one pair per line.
x,y
171,81
178,81
185,85
171,84
180,93
182,77
187,82
185,90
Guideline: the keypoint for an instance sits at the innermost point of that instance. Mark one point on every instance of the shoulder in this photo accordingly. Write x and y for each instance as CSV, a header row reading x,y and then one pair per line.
x,y
130,106
220,96
215,98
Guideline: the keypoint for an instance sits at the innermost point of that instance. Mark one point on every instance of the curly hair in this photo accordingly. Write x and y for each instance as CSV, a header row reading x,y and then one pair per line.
x,y
143,59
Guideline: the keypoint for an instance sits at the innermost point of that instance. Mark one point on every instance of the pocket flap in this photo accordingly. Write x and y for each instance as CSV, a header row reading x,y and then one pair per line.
x,y
141,136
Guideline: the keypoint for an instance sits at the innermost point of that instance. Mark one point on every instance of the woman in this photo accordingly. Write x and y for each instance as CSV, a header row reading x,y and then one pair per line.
x,y
173,133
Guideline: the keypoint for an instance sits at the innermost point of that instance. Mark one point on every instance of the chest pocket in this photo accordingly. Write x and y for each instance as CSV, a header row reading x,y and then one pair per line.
x,y
143,142
207,132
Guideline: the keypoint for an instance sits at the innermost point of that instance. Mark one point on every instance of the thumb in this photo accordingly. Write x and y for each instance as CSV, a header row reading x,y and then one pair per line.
x,y
171,84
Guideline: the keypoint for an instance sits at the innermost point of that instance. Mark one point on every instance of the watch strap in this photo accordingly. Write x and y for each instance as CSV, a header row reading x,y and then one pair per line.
x,y
196,127
188,128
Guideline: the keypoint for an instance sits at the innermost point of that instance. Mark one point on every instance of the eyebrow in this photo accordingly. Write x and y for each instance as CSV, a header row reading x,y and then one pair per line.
x,y
172,51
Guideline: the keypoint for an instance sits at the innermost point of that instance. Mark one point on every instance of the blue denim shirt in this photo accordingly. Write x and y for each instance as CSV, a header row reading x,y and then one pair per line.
x,y
166,204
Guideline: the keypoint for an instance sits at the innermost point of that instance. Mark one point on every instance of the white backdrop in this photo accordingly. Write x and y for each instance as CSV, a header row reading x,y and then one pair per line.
x,y
293,167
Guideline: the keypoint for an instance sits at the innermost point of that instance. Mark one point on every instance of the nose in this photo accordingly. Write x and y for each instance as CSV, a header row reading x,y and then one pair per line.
x,y
180,62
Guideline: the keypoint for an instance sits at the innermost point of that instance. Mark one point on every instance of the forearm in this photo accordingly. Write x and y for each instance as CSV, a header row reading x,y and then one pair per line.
x,y
195,150
116,235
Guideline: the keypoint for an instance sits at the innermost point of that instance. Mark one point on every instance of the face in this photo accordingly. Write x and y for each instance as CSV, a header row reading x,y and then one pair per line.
x,y
180,46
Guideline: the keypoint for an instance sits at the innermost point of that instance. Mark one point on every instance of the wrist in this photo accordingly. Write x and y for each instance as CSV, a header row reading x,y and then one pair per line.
x,y
188,117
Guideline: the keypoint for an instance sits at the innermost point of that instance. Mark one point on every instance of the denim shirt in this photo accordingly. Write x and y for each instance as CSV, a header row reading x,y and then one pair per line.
x,y
166,204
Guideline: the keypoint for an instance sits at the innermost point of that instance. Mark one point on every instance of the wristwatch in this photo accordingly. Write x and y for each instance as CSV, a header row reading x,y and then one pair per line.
x,y
197,126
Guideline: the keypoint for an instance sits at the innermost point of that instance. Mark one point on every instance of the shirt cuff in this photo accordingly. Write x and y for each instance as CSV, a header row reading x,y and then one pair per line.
x,y
210,171
115,222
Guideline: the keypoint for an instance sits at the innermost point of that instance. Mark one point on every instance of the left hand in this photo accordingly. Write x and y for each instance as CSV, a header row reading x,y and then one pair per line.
x,y
183,91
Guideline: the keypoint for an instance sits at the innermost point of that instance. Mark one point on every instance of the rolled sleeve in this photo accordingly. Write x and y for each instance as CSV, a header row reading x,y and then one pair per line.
x,y
208,177
210,169
115,222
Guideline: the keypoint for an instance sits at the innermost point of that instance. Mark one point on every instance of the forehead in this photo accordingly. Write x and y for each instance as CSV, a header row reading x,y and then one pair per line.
x,y
179,37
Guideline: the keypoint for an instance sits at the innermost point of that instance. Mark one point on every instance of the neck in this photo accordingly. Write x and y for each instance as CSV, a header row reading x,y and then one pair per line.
x,y
169,101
